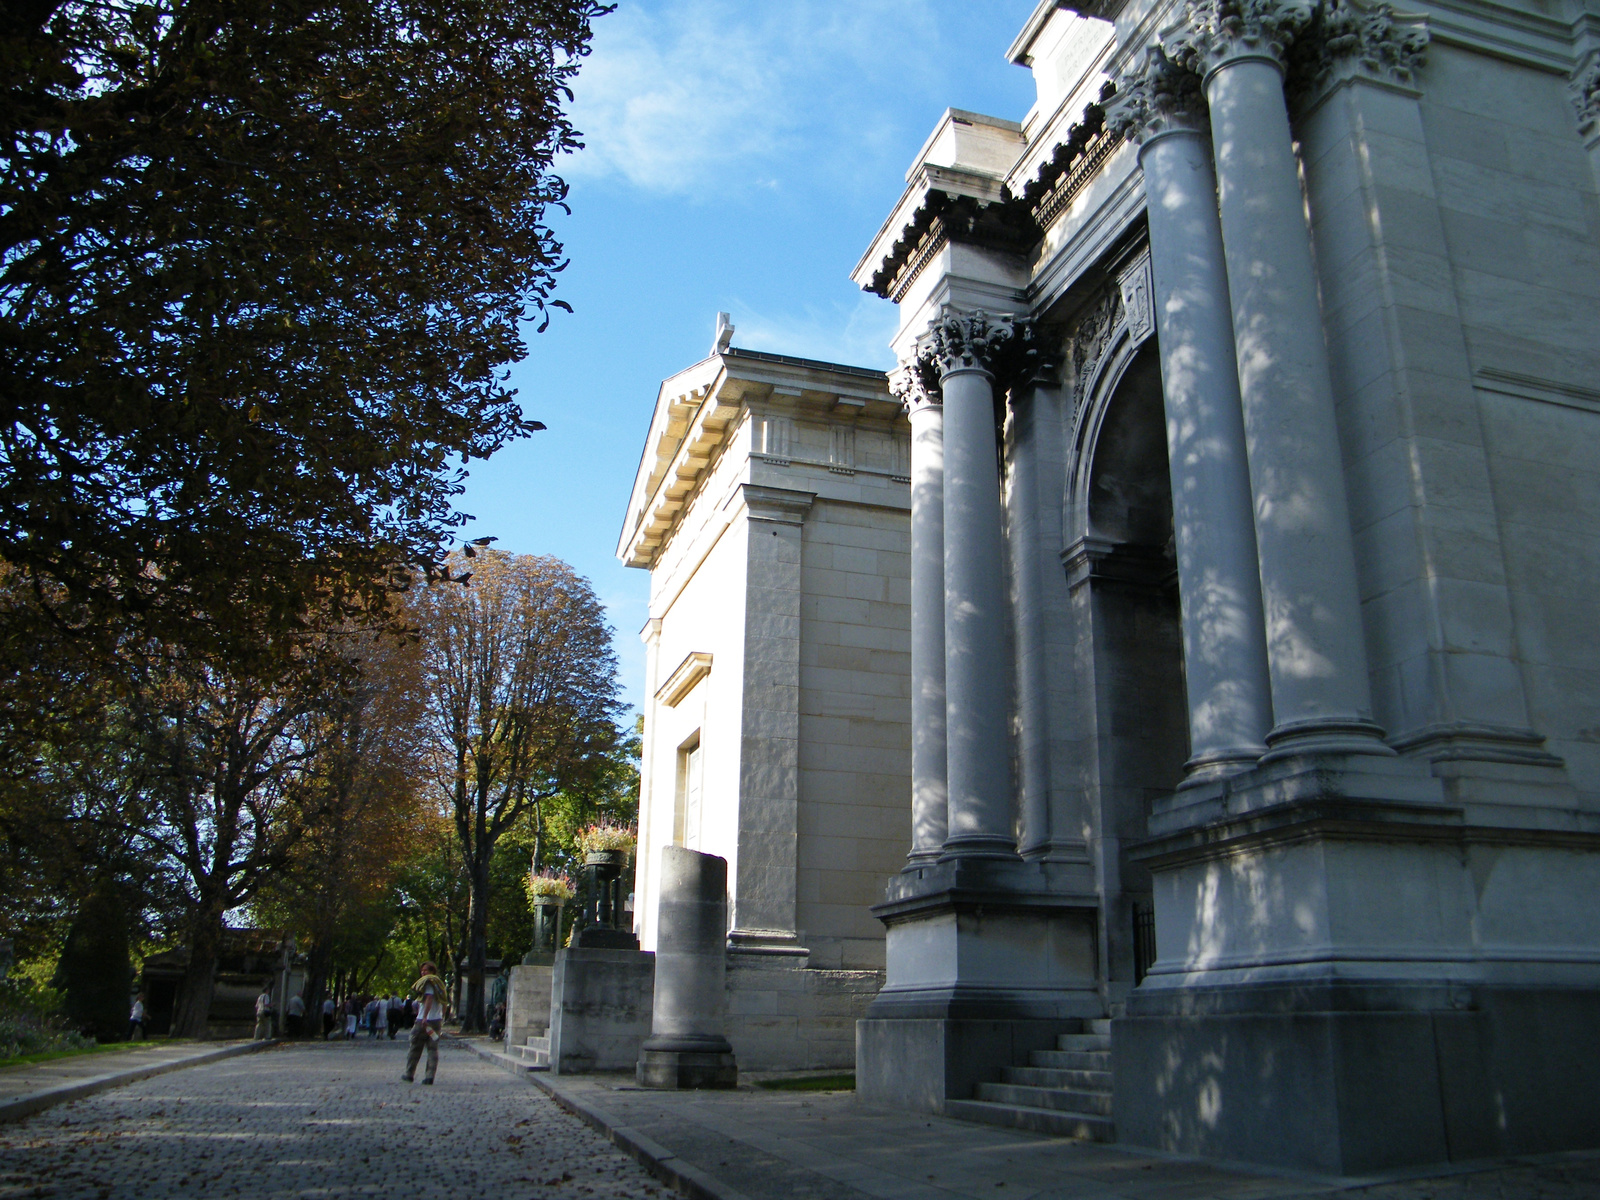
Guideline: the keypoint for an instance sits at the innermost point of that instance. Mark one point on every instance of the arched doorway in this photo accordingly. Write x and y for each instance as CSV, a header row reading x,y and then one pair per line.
x,y
1123,572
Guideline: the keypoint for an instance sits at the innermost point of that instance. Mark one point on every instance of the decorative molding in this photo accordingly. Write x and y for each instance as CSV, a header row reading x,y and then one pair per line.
x,y
842,449
1159,97
1533,387
782,506
773,437
1091,336
1005,347
1137,289
696,665
1584,88
1072,164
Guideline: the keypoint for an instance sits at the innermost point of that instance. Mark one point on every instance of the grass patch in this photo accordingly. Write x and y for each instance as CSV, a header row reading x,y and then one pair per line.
x,y
28,1060
812,1083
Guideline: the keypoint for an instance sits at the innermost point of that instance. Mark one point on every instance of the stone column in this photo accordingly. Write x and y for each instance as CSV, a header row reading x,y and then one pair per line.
x,y
977,687
687,1046
1224,645
917,386
1027,588
1316,654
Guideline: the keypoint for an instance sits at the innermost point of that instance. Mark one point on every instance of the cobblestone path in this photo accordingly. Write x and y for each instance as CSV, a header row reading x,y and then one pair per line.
x,y
322,1120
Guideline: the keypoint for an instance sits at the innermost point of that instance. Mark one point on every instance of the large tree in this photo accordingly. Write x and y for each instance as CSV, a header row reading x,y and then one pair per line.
x,y
523,699
262,265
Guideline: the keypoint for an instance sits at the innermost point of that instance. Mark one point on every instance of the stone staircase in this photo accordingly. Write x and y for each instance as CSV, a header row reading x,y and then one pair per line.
x,y
1065,1092
535,1055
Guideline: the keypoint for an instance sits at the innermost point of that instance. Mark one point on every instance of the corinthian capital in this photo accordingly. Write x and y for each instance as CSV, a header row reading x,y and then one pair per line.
x,y
1157,97
1215,32
960,341
1343,38
916,385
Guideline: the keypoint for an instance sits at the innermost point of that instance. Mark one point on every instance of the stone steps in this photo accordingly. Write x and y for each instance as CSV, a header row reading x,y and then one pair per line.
x,y
1036,1075
1065,1092
536,1053
1088,1104
1083,1126
1072,1060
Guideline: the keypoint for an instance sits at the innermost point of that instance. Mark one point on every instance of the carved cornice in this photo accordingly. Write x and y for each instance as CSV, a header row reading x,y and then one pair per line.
x,y
1159,97
1073,162
1585,92
945,217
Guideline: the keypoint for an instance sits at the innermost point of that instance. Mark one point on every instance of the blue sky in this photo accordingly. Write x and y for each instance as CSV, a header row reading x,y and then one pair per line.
x,y
740,156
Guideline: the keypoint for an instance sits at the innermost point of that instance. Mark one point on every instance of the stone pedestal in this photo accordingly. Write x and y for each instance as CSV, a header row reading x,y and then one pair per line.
x,y
687,1047
599,1009
528,1002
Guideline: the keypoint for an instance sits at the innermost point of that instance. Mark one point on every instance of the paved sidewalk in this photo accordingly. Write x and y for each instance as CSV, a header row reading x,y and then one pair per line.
x,y
825,1146
332,1121
32,1088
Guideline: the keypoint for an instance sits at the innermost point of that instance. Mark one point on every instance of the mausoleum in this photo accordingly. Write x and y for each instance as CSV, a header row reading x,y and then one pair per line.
x,y
1255,527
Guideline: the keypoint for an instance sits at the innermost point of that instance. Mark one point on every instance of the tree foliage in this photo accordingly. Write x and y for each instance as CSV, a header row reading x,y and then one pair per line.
x,y
262,264
521,681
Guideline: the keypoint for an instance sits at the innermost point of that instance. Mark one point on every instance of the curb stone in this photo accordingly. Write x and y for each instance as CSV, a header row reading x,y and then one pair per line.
x,y
684,1178
22,1107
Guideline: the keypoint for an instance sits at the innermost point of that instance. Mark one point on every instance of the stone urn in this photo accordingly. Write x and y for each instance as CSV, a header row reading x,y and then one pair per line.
x,y
603,870
547,912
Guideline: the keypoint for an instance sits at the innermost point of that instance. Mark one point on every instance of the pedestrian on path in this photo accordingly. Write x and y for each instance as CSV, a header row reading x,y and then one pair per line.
x,y
352,1017
297,1014
397,1012
329,1009
380,1018
429,991
264,1013
136,1019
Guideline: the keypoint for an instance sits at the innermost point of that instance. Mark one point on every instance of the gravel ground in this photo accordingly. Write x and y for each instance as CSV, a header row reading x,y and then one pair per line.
x,y
321,1119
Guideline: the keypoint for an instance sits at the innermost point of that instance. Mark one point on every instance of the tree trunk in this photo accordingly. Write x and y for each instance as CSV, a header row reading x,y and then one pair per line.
x,y
200,980
473,1016
317,963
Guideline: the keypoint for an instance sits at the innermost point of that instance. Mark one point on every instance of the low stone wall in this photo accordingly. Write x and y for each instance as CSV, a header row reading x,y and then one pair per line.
x,y
785,1018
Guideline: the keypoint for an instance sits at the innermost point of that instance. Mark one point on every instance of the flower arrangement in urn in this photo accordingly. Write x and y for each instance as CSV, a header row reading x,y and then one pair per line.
x,y
605,838
550,885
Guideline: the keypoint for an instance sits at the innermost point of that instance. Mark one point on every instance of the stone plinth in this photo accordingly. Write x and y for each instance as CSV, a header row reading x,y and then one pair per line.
x,y
687,1047
528,1002
599,1009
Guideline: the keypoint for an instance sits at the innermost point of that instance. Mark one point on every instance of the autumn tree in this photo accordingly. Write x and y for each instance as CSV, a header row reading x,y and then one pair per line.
x,y
262,266
522,692
363,817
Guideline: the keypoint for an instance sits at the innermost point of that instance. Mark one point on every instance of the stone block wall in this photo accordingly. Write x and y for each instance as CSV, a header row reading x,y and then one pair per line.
x,y
783,1018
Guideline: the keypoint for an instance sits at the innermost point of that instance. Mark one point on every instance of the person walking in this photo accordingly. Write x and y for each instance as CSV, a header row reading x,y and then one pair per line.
x,y
329,1009
297,1015
136,1019
430,993
264,1013
380,1018
397,1012
352,1017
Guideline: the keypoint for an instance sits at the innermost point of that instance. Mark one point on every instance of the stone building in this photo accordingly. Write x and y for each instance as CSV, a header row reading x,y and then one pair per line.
x,y
1255,526
771,509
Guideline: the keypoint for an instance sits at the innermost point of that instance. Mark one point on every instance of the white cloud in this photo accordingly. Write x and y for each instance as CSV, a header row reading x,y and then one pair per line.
x,y
693,96
855,334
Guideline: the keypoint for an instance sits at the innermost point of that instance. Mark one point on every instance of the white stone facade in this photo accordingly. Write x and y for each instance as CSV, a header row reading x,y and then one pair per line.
x,y
771,509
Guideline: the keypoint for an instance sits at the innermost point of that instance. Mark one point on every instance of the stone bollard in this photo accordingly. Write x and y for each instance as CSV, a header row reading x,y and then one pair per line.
x,y
686,1047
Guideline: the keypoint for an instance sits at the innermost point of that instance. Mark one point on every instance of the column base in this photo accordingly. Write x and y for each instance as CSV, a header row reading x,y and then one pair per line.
x,y
686,1063
1350,1079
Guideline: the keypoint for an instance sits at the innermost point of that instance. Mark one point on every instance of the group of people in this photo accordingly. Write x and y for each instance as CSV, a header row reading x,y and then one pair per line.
x,y
376,1016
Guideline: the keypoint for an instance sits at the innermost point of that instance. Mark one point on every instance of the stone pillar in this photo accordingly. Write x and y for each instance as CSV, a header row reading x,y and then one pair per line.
x,y
1316,653
977,687
1027,591
1224,645
687,1047
918,389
